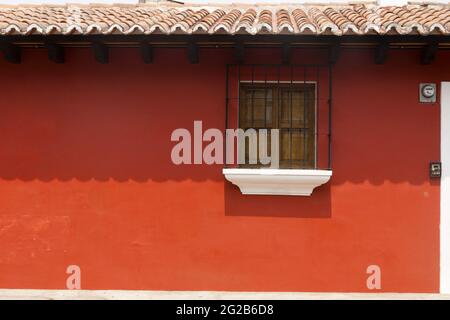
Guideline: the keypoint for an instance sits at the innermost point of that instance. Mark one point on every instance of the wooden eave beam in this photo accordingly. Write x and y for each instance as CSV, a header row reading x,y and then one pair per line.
x,y
11,52
146,52
277,40
286,53
429,53
239,52
334,52
101,52
55,52
192,53
381,53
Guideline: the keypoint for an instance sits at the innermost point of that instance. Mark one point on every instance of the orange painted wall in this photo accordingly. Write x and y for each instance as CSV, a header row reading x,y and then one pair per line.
x,y
86,179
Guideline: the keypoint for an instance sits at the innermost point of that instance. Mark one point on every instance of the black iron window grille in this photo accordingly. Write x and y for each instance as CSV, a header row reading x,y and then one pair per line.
x,y
294,99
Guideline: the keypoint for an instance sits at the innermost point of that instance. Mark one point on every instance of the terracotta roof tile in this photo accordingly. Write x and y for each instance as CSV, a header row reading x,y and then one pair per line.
x,y
229,19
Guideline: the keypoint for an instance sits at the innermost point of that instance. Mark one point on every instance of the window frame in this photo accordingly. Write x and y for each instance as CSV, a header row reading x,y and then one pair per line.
x,y
271,82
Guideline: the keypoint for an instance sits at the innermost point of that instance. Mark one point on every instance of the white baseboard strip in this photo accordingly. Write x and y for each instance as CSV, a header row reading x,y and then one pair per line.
x,y
30,294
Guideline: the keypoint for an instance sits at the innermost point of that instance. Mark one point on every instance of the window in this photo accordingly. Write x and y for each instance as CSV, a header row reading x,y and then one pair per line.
x,y
289,107
295,100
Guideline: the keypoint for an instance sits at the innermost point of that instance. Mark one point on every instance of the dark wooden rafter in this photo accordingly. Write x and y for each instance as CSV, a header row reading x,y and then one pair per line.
x,y
381,52
11,52
55,52
239,52
146,52
333,52
286,53
192,53
429,53
101,52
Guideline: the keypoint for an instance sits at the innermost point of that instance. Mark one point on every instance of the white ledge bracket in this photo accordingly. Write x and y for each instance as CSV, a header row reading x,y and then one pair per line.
x,y
290,182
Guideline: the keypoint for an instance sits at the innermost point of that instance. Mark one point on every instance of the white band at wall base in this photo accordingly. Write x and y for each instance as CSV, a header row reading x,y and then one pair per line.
x,y
291,182
28,294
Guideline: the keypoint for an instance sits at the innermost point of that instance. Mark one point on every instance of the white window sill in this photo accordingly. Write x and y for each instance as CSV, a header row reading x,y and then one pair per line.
x,y
292,182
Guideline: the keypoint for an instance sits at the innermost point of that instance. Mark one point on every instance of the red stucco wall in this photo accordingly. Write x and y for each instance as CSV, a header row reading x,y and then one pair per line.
x,y
86,179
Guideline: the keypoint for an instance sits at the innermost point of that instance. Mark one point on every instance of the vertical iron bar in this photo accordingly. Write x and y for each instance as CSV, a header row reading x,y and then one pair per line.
x,y
265,108
239,96
329,114
226,118
290,118
238,117
305,114
265,97
316,123
279,112
253,95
